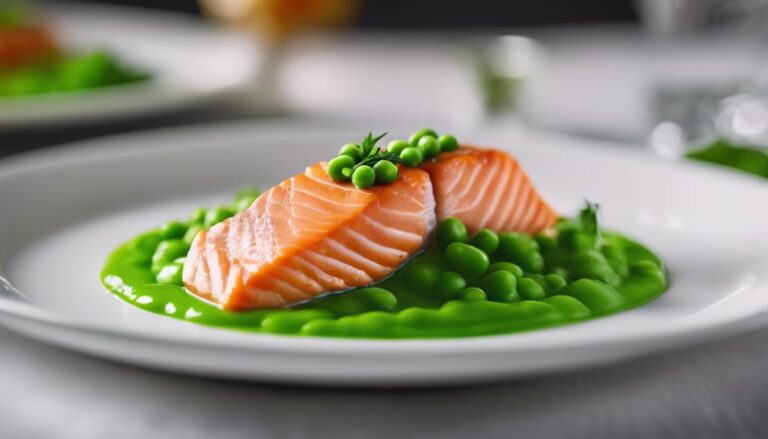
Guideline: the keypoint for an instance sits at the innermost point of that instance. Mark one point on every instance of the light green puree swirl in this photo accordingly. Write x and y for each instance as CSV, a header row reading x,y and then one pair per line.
x,y
579,275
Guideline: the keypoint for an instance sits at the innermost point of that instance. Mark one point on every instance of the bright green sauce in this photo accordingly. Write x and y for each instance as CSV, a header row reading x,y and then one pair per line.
x,y
568,279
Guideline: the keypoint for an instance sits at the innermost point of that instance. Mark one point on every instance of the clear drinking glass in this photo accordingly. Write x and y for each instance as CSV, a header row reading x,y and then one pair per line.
x,y
668,17
690,115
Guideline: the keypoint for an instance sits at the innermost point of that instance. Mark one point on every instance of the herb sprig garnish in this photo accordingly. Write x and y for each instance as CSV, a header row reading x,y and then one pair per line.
x,y
368,146
588,218
379,156
365,163
371,154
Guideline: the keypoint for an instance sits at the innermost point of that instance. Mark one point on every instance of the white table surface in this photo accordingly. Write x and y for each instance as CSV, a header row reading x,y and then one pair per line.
x,y
711,391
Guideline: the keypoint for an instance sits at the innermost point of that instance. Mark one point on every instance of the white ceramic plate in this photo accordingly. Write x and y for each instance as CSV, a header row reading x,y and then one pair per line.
x,y
191,64
62,212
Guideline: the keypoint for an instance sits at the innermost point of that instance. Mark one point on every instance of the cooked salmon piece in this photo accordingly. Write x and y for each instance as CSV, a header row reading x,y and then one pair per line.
x,y
310,235
487,188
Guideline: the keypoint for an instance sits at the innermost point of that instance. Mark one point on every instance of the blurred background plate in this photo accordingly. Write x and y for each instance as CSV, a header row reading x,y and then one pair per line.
x,y
191,63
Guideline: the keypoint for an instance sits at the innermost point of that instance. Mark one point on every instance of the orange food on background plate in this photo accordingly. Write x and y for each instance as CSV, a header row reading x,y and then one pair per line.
x,y
22,45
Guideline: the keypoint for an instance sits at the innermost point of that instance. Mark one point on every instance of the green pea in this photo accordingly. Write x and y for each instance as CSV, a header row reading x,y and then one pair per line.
x,y
247,192
616,259
486,240
576,241
245,197
451,230
583,241
429,147
171,274
600,298
643,267
649,270
217,215
593,265
352,150
513,244
337,165
166,252
522,250
242,204
292,321
379,298
421,276
500,286
191,233
562,272
364,177
534,263
173,229
449,283
146,244
386,172
397,146
412,156
555,282
506,266
539,278
545,242
529,289
472,294
569,307
414,139
198,216
465,259
358,301
448,143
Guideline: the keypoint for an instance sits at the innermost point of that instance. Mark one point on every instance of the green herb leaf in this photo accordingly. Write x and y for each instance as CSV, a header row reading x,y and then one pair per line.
x,y
379,156
588,219
368,144
373,154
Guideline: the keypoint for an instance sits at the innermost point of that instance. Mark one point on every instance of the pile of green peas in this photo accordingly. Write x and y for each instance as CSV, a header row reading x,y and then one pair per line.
x,y
424,144
503,267
177,236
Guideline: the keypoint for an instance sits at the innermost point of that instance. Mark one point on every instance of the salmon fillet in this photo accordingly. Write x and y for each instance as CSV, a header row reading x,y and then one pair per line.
x,y
310,235
487,188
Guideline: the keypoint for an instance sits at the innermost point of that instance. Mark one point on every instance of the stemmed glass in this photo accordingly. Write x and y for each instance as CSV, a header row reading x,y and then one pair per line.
x,y
274,22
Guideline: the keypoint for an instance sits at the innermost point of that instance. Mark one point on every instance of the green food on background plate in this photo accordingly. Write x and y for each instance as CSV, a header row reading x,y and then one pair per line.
x,y
744,158
68,73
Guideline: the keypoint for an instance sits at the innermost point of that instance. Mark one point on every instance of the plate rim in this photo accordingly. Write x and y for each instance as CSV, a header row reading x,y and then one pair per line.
x,y
146,142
